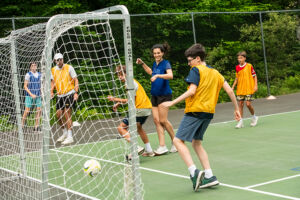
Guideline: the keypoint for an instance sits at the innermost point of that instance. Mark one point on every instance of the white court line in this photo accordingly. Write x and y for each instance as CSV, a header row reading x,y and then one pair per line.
x,y
53,185
274,181
186,177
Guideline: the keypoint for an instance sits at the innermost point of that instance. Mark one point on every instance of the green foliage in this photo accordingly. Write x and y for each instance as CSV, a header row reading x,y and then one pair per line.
x,y
5,124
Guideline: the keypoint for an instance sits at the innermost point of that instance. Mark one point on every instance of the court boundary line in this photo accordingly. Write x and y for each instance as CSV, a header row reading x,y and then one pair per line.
x,y
51,184
186,177
274,181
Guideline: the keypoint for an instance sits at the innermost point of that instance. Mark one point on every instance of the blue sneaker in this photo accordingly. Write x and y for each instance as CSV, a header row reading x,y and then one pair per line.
x,y
197,179
209,182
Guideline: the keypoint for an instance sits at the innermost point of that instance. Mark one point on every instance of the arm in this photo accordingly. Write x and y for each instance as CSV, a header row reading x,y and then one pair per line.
x,y
234,83
118,100
27,90
255,83
147,69
76,88
167,76
52,88
230,93
190,92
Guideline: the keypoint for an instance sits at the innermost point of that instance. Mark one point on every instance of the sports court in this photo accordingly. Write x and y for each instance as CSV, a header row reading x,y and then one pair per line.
x,y
259,162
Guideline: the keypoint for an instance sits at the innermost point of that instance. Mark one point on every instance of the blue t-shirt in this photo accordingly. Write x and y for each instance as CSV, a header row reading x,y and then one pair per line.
x,y
34,84
160,87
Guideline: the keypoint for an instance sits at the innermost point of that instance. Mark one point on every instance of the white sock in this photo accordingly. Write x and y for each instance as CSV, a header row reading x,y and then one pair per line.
x,y
253,116
69,133
65,131
208,173
148,147
192,169
241,119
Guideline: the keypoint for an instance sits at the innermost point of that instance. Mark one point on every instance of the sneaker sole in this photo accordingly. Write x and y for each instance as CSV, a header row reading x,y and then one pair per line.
x,y
210,184
199,180
159,154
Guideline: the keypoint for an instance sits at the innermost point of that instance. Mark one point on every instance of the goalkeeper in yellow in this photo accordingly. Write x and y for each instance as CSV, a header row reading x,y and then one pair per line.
x,y
64,80
143,110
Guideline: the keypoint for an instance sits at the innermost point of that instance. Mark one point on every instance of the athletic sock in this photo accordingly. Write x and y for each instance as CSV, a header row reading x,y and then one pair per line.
x,y
253,116
65,131
208,173
148,147
192,169
69,133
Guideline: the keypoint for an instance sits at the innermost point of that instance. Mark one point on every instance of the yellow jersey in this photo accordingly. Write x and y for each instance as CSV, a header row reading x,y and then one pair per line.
x,y
245,79
64,83
207,93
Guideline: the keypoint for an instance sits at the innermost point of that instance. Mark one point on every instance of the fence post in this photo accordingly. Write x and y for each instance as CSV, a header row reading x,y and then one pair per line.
x,y
265,58
193,25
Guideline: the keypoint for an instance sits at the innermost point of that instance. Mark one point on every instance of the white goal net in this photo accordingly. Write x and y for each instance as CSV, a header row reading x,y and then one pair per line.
x,y
33,164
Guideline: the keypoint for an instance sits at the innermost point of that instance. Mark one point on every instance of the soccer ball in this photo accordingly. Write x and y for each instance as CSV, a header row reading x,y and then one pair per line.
x,y
91,167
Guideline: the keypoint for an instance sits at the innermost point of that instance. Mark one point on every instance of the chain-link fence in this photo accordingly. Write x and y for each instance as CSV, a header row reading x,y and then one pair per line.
x,y
271,40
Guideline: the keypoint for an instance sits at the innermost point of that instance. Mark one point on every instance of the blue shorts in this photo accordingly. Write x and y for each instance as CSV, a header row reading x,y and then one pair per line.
x,y
192,128
140,120
29,102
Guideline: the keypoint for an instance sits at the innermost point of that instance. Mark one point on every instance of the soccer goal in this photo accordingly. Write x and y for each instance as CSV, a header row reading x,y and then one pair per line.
x,y
33,165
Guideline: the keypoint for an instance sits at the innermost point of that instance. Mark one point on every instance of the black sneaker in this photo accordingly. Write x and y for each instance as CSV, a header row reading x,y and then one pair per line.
x,y
209,182
197,179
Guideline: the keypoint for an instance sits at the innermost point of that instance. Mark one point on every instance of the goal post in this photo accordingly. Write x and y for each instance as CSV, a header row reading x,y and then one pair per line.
x,y
48,169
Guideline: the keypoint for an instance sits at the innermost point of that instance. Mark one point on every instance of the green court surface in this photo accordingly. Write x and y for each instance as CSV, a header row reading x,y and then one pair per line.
x,y
259,162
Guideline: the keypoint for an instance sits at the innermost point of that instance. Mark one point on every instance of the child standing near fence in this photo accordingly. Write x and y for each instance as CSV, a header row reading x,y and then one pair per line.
x,y
246,81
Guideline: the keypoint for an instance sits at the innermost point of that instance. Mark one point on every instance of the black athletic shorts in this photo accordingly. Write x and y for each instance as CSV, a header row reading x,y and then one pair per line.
x,y
65,102
156,100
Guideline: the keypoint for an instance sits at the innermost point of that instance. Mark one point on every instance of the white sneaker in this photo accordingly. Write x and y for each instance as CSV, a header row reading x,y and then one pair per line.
x,y
62,138
240,124
161,150
173,149
148,154
254,121
68,140
140,150
75,123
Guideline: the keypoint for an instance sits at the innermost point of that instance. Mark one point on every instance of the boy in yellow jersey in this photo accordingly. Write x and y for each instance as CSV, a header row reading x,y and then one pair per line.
x,y
246,81
64,80
143,110
201,98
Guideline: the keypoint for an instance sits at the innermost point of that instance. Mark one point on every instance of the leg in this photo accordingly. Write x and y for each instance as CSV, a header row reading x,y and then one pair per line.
x,y
122,129
26,111
37,116
163,119
250,107
201,153
183,151
241,107
142,133
68,118
59,115
159,127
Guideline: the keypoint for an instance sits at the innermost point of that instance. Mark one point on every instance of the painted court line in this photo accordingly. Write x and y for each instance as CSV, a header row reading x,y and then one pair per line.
x,y
274,181
186,177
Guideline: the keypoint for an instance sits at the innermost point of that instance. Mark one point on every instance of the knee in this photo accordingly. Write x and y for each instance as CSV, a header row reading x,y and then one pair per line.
x,y
177,141
163,122
156,120
248,104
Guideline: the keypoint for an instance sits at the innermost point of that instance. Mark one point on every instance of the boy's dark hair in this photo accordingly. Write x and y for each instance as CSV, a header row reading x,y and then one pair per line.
x,y
242,53
121,69
165,47
196,50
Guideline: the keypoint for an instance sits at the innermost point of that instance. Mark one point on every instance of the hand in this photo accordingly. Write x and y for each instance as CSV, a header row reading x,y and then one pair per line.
x,y
232,88
255,89
75,96
115,107
51,95
110,98
33,96
166,104
153,78
139,61
237,115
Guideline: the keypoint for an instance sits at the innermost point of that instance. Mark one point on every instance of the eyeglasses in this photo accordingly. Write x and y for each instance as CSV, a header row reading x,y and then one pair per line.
x,y
190,60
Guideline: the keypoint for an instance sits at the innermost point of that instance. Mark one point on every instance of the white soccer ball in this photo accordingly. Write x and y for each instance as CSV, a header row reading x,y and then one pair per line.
x,y
91,167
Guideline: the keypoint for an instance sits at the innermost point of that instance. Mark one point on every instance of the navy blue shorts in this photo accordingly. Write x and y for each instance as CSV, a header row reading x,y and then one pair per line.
x,y
140,120
192,128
